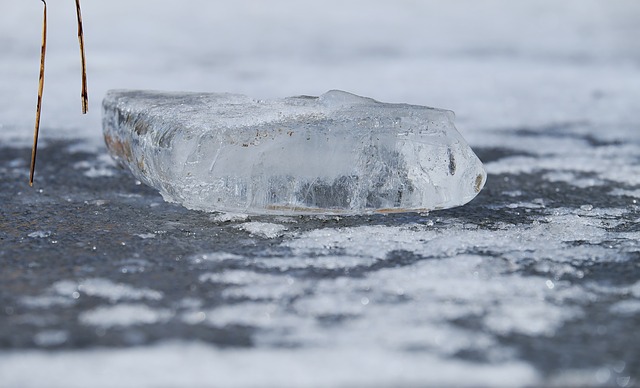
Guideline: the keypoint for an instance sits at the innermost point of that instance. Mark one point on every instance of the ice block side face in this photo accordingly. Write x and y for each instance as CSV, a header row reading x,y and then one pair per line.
x,y
334,154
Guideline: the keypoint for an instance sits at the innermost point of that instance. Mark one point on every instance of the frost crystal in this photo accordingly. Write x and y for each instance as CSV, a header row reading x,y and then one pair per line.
x,y
335,154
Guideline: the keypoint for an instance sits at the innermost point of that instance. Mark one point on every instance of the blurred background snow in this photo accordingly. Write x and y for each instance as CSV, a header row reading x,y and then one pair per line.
x,y
496,63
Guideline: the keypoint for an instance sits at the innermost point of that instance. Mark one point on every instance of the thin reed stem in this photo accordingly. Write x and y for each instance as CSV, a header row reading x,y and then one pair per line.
x,y
85,96
43,51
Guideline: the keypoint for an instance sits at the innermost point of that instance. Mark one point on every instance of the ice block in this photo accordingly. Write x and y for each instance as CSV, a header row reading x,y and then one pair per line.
x,y
334,154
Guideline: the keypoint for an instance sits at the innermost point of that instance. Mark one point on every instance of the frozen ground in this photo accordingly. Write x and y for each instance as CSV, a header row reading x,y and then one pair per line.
x,y
535,282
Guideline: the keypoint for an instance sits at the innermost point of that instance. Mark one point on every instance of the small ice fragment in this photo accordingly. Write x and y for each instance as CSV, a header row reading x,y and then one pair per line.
x,y
263,229
334,154
230,217
40,234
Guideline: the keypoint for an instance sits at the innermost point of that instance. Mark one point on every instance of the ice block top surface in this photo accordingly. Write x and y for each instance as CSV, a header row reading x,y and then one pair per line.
x,y
206,111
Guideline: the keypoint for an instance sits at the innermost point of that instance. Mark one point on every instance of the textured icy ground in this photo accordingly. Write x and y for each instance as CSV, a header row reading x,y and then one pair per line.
x,y
535,282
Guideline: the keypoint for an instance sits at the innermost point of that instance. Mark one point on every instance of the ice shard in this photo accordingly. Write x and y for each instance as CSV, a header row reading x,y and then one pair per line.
x,y
334,154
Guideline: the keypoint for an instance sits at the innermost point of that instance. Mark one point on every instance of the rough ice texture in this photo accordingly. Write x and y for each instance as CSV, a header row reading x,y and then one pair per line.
x,y
337,153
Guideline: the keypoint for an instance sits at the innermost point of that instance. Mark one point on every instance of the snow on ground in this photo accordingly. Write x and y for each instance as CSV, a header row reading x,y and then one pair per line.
x,y
155,367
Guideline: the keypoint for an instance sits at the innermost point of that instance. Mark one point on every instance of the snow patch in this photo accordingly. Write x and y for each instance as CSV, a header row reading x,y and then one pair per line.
x,y
103,288
153,366
626,307
123,315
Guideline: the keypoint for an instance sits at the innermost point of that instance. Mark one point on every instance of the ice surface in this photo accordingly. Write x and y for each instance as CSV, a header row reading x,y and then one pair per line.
x,y
337,153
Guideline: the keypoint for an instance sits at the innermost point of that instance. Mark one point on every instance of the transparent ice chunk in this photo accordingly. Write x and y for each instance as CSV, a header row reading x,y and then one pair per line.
x,y
334,154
